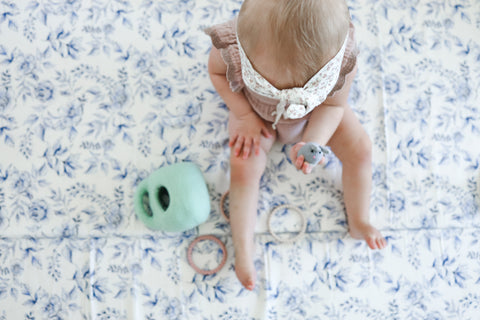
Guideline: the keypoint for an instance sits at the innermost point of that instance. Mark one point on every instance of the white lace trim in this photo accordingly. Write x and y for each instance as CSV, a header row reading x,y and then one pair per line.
x,y
300,100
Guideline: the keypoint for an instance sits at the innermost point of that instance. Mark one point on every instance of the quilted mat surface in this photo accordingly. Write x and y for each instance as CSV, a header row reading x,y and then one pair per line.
x,y
96,95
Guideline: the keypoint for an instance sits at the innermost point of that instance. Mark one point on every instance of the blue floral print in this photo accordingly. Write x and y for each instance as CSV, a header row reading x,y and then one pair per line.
x,y
95,95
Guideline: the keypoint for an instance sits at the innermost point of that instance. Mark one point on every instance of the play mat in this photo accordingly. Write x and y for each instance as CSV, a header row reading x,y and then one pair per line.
x,y
96,95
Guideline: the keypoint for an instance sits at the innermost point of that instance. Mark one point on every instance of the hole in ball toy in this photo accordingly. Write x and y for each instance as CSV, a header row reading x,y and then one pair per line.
x,y
146,204
164,198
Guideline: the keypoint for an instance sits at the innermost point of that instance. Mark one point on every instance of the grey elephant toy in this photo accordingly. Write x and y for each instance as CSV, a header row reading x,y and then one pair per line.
x,y
312,152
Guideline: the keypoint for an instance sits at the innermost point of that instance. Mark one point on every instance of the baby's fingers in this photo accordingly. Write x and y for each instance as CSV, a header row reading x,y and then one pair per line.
x,y
247,146
294,152
266,133
239,143
299,162
232,141
256,145
306,168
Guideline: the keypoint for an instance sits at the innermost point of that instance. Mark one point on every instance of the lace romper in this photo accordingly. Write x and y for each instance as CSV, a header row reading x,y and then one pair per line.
x,y
224,38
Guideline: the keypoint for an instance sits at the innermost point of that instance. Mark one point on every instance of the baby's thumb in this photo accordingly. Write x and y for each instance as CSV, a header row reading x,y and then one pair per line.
x,y
294,151
266,133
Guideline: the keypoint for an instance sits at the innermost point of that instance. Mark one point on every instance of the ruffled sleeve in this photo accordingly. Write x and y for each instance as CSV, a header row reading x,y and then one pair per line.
x,y
349,60
224,38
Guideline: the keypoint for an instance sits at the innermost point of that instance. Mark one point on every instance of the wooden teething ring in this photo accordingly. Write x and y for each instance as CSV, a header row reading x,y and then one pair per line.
x,y
302,229
190,251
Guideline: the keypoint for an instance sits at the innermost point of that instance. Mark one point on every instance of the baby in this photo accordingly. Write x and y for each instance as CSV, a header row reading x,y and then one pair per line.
x,y
284,69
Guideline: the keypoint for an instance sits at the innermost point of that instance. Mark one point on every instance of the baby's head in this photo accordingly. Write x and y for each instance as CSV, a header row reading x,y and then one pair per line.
x,y
288,41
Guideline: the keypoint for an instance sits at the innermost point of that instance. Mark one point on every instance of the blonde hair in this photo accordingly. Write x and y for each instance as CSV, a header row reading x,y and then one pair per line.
x,y
301,35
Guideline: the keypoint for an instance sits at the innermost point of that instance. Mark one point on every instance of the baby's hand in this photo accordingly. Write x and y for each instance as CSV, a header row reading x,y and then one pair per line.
x,y
299,161
246,138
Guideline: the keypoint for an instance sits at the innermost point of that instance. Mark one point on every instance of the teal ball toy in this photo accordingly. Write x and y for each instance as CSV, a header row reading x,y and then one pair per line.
x,y
174,198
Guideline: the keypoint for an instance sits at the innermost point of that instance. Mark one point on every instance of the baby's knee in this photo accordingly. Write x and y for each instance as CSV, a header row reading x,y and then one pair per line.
x,y
361,151
364,149
245,171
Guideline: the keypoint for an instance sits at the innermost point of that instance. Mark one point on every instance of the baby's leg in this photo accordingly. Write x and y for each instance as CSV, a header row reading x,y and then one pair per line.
x,y
245,175
352,146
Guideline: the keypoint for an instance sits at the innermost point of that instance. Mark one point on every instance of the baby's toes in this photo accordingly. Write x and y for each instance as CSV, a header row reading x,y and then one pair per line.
x,y
381,243
372,243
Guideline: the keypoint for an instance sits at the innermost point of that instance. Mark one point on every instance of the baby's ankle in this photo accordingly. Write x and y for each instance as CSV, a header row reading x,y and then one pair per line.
x,y
359,223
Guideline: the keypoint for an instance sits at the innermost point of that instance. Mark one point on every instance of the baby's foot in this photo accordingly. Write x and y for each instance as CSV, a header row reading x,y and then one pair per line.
x,y
245,269
366,231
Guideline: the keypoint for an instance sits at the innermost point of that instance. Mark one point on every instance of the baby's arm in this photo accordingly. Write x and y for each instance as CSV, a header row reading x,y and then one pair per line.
x,y
217,69
323,123
252,127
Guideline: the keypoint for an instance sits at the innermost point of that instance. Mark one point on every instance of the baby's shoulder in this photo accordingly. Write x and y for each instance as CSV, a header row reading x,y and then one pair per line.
x,y
223,34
